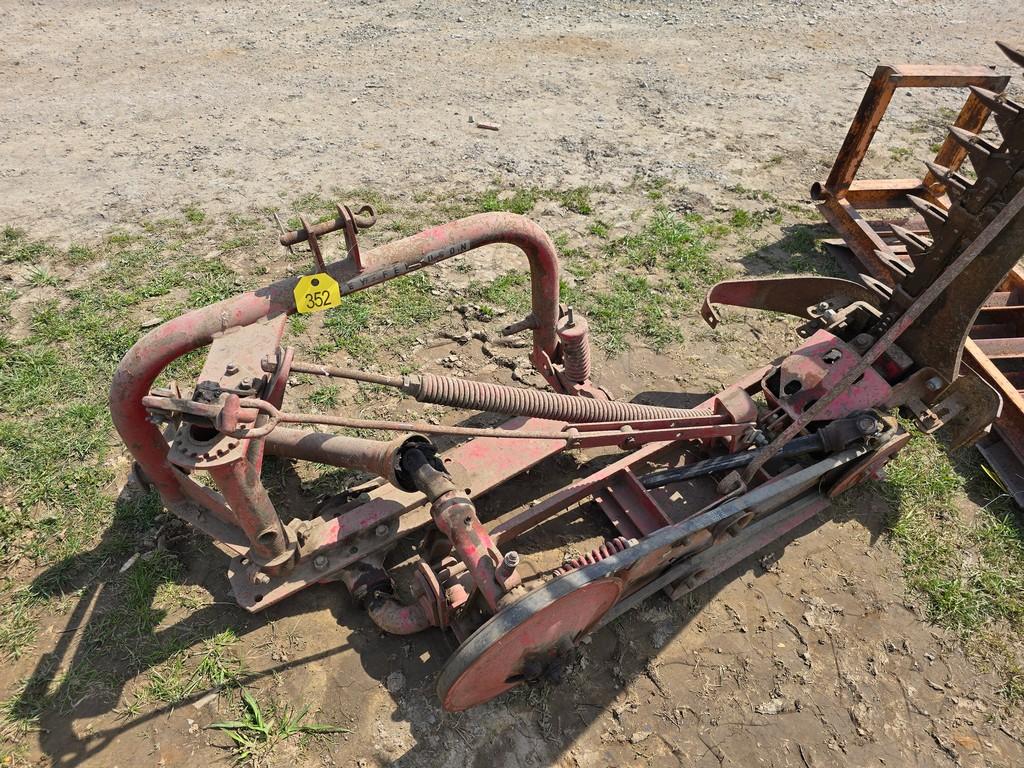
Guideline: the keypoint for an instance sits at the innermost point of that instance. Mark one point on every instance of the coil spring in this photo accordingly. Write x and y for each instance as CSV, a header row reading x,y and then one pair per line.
x,y
576,358
518,401
609,548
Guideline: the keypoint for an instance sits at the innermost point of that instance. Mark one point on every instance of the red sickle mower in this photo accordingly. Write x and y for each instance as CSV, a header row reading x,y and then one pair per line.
x,y
694,492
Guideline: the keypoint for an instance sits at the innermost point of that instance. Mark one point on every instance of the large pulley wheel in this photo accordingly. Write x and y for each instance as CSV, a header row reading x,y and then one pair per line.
x,y
524,640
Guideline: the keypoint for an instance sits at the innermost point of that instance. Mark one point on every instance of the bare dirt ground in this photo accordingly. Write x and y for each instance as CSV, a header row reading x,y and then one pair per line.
x,y
813,654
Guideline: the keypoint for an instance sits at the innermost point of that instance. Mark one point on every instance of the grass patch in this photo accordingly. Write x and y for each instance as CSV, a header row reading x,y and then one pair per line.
x,y
680,245
900,154
213,665
630,306
576,200
358,325
255,735
193,214
523,199
520,201
510,291
18,630
15,247
966,564
324,398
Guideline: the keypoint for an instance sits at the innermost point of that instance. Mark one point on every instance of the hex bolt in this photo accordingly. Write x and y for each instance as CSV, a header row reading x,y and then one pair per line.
x,y
230,369
245,383
259,577
511,560
934,384
862,341
381,530
320,562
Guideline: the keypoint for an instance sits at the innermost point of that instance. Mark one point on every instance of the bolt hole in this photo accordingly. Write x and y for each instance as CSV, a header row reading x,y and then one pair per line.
x,y
353,550
792,387
314,282
468,491
202,434
258,598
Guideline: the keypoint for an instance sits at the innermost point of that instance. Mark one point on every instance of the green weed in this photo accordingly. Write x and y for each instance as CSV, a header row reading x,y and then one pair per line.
x,y
966,564
256,734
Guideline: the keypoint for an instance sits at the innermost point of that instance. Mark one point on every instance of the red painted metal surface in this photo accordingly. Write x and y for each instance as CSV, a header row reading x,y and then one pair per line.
x,y
150,355
811,373
467,578
540,634
629,507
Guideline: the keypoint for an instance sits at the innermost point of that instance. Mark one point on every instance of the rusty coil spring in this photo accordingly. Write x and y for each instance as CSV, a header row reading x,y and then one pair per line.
x,y
519,401
596,555
576,358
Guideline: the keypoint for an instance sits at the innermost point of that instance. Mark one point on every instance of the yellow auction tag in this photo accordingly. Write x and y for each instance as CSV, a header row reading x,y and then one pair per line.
x,y
315,293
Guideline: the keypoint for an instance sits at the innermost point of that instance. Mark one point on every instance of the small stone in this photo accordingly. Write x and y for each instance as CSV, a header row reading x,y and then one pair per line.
x,y
395,682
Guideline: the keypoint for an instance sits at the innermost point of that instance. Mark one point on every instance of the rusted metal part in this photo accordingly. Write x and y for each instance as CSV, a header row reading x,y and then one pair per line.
x,y
949,320
841,195
526,642
1010,213
349,536
870,466
239,418
676,528
733,403
469,676
954,210
455,517
813,372
607,549
631,435
346,221
790,295
373,456
686,576
497,398
150,355
370,584
270,545
574,334
312,240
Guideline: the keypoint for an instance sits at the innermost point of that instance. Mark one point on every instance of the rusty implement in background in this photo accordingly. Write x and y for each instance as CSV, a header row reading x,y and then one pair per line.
x,y
889,248
692,492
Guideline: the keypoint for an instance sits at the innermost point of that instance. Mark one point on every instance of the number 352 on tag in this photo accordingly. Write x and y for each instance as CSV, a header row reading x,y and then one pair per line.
x,y
315,293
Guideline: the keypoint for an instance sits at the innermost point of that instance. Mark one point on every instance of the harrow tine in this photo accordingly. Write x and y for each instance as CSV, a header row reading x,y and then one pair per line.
x,y
1004,111
916,245
899,268
978,150
1013,54
933,216
953,182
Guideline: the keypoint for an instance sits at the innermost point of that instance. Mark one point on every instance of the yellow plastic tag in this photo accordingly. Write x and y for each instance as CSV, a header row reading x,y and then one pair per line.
x,y
315,293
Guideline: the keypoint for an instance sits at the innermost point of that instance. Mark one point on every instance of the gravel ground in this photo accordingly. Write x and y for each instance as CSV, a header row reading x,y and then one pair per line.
x,y
113,114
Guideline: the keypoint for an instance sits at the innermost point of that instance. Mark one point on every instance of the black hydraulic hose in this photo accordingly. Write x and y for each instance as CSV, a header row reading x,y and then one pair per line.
x,y
800,445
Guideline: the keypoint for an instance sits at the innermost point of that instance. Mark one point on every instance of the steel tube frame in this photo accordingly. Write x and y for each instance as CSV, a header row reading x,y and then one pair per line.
x,y
156,350
374,456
